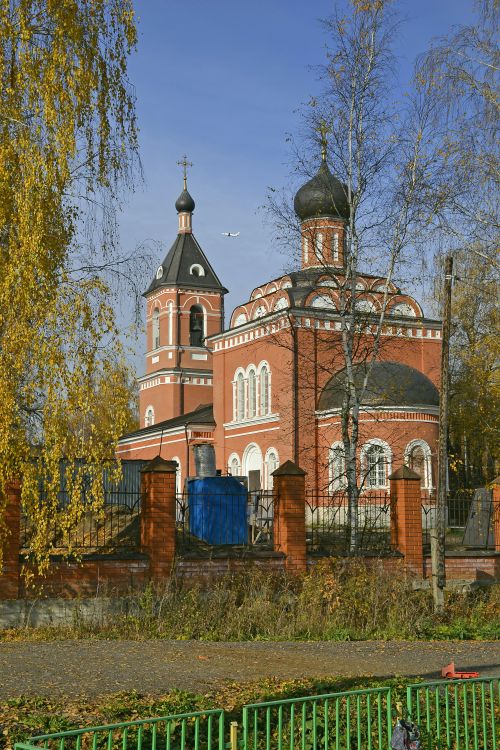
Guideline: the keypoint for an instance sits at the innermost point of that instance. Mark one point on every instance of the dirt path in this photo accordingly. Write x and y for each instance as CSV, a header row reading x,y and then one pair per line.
x,y
97,667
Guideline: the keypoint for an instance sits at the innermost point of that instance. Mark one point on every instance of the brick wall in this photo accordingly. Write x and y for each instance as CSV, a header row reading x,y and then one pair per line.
x,y
469,567
107,576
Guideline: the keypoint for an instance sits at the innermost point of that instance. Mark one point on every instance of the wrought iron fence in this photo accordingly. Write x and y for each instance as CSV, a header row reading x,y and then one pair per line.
x,y
328,527
206,522
115,526
470,516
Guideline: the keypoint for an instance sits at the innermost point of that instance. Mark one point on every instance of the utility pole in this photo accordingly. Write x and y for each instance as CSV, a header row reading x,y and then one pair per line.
x,y
440,572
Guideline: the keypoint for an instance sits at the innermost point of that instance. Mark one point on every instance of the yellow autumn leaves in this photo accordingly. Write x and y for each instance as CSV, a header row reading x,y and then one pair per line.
x,y
67,140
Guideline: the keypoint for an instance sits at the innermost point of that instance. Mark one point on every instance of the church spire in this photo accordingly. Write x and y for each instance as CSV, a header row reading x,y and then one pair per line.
x,y
184,203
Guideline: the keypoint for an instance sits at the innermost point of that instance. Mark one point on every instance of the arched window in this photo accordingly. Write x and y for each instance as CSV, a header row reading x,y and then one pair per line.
x,y
156,328
240,397
335,246
149,418
306,249
336,468
364,305
170,323
234,466
323,301
252,394
197,270
272,464
178,477
240,319
404,310
264,390
319,245
376,464
196,332
418,458
281,304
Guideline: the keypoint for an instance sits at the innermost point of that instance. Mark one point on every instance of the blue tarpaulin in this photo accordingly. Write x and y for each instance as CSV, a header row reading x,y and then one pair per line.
x,y
218,510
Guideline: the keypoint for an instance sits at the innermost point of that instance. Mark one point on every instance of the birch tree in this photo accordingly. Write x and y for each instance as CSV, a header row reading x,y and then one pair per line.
x,y
377,147
68,145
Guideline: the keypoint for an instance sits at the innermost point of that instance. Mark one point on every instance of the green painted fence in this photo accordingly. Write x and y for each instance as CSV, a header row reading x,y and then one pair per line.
x,y
338,721
452,715
201,730
457,714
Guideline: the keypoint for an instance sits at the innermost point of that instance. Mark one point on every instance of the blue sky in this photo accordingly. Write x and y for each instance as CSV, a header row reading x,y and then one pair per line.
x,y
222,81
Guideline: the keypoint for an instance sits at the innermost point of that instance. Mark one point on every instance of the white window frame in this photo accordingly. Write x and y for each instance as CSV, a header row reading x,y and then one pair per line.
x,y
419,443
239,379
178,475
156,328
234,459
149,416
268,469
252,393
318,245
198,268
337,479
264,406
376,442
170,308
335,246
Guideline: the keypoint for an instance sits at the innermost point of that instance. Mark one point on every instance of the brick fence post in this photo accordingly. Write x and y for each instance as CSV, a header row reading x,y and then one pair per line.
x,y
158,515
495,495
406,517
289,526
11,568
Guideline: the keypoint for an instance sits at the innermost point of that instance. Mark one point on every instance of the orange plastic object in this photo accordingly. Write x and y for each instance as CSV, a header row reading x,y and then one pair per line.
x,y
449,673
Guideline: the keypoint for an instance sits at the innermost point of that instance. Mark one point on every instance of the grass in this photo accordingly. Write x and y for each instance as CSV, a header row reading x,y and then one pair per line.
x,y
336,600
23,717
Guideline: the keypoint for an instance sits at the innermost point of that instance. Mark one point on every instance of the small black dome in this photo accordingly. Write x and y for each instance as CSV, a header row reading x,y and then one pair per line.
x,y
389,384
184,202
324,195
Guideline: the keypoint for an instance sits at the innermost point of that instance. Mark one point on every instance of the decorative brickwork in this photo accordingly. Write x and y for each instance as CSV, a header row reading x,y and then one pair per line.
x,y
158,516
406,517
10,574
289,515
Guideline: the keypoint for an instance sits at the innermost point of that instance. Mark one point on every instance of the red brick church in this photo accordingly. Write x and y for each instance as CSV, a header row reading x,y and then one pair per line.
x,y
268,388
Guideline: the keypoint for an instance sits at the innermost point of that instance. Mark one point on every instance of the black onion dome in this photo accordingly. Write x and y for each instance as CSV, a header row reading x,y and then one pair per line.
x,y
184,202
324,195
389,384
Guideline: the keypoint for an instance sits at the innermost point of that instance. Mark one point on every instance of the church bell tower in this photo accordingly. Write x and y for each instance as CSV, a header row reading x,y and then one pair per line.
x,y
184,305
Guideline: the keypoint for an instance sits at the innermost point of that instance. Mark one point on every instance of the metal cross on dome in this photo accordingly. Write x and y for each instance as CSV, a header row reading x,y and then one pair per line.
x,y
323,129
184,163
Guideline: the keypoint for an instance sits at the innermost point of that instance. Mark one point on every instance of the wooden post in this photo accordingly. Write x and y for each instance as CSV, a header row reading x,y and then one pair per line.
x,y
443,425
437,591
233,735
